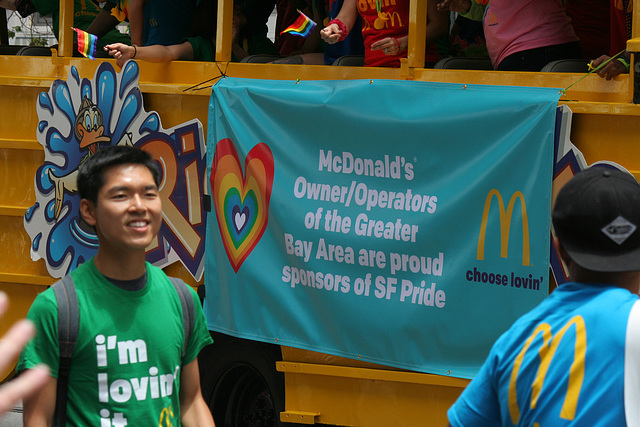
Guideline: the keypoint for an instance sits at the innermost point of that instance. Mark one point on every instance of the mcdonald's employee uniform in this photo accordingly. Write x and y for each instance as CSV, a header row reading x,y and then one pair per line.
x,y
128,356
561,364
396,25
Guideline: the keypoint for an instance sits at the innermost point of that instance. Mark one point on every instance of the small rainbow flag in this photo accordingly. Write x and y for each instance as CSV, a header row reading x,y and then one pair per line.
x,y
302,27
86,43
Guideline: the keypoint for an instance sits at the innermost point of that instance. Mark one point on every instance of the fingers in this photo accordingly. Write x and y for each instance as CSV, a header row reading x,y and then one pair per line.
x,y
14,341
388,45
610,70
599,60
331,34
11,344
21,387
4,300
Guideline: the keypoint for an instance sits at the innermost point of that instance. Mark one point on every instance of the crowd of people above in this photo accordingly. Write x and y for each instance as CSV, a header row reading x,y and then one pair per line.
x,y
522,35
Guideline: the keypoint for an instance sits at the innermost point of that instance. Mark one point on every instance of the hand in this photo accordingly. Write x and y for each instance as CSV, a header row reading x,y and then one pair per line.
x,y
331,34
460,6
609,71
121,52
10,346
389,45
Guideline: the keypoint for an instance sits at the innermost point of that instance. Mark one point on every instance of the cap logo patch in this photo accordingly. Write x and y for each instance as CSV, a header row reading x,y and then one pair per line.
x,y
619,230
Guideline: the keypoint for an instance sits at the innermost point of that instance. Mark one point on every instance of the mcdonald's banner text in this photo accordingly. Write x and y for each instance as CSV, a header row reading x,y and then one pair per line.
x,y
401,223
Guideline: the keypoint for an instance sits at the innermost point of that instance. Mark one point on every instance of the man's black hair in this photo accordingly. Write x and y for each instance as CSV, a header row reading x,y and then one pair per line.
x,y
91,171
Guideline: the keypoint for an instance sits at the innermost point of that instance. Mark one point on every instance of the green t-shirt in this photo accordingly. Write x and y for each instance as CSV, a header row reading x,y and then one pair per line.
x,y
84,12
128,355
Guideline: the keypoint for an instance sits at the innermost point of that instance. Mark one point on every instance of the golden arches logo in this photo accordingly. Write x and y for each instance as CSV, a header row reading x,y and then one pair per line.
x,y
392,18
165,417
505,225
546,352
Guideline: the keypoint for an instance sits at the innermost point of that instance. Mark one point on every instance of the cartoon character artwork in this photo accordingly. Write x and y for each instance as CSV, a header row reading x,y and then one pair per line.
x,y
77,117
89,132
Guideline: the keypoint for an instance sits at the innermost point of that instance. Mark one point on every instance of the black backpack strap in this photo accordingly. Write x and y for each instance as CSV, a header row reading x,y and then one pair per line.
x,y
68,321
188,309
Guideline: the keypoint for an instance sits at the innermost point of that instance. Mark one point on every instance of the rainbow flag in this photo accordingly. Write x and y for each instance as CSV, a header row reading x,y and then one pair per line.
x,y
86,43
302,26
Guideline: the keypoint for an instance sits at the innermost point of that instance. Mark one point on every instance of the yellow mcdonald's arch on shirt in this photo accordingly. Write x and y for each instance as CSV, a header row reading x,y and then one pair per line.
x,y
505,225
165,417
546,351
392,18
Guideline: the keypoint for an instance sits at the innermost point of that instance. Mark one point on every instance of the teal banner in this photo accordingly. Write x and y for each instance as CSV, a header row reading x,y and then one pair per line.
x,y
398,222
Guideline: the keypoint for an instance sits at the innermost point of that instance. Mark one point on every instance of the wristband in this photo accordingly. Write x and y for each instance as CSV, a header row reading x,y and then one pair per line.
x,y
135,51
343,28
624,62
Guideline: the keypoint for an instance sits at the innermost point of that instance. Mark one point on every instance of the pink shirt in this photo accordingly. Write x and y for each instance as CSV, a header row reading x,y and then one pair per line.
x,y
512,26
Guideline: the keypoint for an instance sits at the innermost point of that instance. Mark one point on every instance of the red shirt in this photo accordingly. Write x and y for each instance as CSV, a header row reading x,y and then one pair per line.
x,y
396,25
393,21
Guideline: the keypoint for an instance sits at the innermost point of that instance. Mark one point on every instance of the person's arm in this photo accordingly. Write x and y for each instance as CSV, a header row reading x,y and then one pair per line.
x,y
39,408
347,15
156,53
8,4
194,411
136,21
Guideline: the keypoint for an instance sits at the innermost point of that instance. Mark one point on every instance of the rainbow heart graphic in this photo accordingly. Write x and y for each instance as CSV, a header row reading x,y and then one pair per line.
x,y
241,201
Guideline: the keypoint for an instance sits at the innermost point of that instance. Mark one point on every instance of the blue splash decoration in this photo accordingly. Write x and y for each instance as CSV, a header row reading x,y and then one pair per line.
x,y
29,213
68,242
74,73
152,124
129,76
36,242
86,89
45,101
58,233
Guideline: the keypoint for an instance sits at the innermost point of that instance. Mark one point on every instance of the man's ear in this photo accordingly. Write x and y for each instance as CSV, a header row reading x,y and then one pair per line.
x,y
88,212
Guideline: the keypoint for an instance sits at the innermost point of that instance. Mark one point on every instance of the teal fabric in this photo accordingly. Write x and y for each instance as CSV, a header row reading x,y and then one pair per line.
x,y
375,216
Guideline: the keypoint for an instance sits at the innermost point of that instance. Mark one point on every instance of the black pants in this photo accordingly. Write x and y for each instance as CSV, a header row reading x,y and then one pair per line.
x,y
535,59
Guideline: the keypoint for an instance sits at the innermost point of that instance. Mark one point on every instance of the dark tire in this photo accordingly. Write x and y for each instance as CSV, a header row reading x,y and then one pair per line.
x,y
240,382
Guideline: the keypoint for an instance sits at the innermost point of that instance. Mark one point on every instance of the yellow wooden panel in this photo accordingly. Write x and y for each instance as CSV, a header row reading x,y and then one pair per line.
x,y
356,393
17,172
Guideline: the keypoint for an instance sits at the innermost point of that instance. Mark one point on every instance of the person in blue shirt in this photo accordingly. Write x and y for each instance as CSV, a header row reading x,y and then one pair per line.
x,y
574,359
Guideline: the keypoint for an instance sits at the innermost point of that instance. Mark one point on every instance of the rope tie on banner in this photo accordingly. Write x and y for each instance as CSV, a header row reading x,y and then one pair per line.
x,y
592,70
223,74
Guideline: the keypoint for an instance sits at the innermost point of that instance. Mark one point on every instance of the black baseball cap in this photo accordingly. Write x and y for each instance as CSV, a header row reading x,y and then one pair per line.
x,y
597,219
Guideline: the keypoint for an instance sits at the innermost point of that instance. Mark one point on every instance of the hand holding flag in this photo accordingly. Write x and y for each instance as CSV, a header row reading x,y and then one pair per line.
x,y
302,27
86,43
